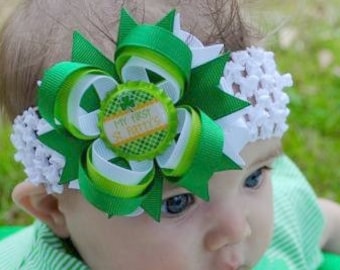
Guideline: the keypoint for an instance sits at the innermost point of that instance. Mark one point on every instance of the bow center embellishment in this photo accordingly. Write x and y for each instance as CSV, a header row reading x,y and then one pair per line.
x,y
138,121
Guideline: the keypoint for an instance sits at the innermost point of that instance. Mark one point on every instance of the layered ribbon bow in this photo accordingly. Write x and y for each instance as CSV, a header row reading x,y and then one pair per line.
x,y
125,126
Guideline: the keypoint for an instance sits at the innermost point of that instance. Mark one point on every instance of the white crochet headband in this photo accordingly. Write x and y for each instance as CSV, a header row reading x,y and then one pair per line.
x,y
153,121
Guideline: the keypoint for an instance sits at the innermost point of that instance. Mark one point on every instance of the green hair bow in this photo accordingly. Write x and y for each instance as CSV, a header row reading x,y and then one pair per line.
x,y
126,126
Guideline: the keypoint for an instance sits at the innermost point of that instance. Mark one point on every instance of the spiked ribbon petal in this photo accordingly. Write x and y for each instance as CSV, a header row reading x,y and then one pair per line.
x,y
126,126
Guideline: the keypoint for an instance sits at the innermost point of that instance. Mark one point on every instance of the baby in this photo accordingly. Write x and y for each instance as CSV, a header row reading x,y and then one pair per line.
x,y
166,155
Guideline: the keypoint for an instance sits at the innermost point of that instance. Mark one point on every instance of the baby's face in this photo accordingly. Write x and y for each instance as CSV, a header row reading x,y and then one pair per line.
x,y
231,231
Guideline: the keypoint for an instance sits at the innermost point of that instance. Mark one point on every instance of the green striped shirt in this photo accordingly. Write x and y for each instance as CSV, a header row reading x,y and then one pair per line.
x,y
37,248
298,221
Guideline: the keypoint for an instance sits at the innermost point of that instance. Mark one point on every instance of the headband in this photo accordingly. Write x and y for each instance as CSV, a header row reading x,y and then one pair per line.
x,y
167,109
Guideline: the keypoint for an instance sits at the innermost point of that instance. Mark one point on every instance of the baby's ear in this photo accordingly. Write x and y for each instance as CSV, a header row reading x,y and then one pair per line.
x,y
34,200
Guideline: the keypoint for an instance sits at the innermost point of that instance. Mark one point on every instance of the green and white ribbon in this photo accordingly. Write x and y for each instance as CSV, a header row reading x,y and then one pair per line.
x,y
126,126
176,159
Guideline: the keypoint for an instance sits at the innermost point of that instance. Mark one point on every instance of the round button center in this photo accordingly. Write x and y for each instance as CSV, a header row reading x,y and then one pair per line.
x,y
138,121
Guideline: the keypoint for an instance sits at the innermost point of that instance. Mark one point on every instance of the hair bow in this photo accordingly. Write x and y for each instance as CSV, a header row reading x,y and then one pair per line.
x,y
126,126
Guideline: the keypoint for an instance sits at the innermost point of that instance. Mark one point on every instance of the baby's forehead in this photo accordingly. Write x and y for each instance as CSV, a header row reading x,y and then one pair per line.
x,y
261,152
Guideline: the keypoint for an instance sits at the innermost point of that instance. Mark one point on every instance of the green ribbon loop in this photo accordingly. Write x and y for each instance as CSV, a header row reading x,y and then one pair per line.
x,y
168,21
204,164
116,189
53,93
153,201
158,46
70,148
226,164
127,23
102,199
62,101
54,79
205,94
83,51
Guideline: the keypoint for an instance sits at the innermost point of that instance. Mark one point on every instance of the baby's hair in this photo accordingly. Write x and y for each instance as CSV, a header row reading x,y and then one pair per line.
x,y
39,33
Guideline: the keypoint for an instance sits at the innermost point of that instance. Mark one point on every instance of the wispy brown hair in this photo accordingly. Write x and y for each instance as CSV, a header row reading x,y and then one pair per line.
x,y
39,33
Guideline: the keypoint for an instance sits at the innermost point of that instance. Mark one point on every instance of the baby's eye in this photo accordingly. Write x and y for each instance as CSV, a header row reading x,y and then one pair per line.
x,y
175,205
254,180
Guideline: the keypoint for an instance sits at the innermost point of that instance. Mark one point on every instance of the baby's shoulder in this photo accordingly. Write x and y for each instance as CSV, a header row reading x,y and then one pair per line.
x,y
37,248
295,202
298,221
14,248
288,179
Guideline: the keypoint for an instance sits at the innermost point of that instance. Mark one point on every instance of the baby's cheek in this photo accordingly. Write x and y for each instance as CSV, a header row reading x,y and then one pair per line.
x,y
263,223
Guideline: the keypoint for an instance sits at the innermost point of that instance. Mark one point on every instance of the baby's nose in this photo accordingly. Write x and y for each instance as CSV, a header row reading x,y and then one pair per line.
x,y
229,228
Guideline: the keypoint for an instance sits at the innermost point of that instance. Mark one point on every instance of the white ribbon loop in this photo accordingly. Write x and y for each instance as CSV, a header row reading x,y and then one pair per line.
x,y
100,159
133,72
200,53
172,157
86,122
136,70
